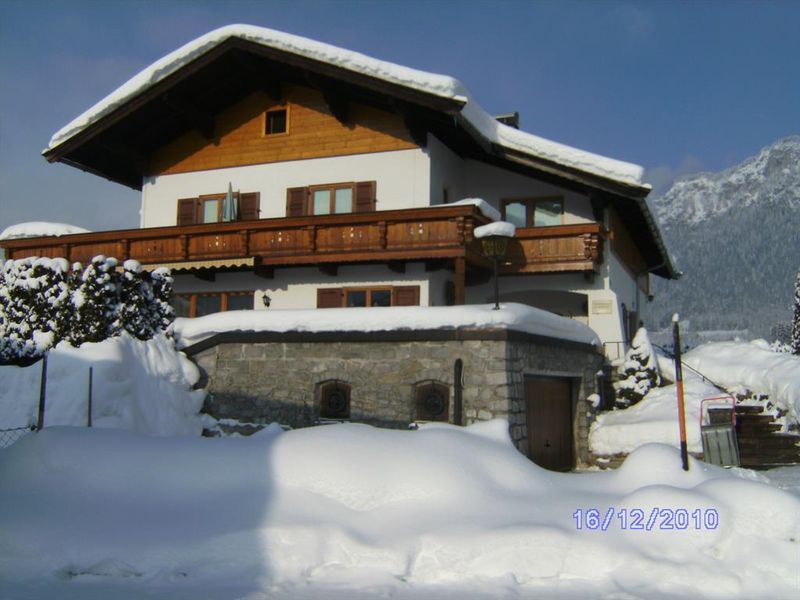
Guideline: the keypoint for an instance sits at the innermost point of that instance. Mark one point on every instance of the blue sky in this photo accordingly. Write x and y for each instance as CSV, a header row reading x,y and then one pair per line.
x,y
677,87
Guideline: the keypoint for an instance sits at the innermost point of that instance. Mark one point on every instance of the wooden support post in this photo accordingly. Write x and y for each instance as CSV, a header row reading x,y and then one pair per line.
x,y
460,280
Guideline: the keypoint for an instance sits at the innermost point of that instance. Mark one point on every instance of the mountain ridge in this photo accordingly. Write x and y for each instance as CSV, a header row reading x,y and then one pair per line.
x,y
736,236
770,175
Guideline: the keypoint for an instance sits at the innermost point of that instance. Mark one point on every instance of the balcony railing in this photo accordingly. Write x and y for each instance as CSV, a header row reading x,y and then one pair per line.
x,y
411,234
560,248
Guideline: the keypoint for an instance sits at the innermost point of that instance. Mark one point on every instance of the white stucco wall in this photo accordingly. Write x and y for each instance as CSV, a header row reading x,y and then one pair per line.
x,y
403,181
494,184
297,287
447,171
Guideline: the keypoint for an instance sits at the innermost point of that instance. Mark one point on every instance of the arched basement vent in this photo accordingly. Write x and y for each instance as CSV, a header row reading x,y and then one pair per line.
x,y
334,400
433,401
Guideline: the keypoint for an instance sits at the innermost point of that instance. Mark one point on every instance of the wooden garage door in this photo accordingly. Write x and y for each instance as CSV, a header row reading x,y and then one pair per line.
x,y
549,416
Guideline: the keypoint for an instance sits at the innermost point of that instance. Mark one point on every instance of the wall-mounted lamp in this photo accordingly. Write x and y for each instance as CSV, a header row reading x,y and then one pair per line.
x,y
494,241
266,300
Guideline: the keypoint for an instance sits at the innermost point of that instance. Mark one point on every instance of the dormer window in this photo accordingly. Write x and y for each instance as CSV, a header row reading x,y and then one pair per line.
x,y
277,121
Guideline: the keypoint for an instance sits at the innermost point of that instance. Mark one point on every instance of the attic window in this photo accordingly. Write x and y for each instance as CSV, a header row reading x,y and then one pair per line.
x,y
277,122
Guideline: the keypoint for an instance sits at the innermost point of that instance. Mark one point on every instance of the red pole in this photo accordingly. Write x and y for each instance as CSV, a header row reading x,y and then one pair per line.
x,y
676,339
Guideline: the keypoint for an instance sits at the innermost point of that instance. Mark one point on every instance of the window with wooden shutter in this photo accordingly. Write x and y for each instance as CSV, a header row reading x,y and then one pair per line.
x,y
296,201
365,196
249,206
405,295
187,211
329,297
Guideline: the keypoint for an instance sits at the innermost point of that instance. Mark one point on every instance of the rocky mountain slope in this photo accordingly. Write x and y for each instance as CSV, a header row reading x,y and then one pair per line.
x,y
736,236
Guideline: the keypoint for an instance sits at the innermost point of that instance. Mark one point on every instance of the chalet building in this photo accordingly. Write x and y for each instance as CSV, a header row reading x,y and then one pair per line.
x,y
277,172
281,173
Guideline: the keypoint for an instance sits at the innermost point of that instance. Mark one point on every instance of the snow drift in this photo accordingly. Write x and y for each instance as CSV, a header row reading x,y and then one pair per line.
x,y
137,385
355,507
738,366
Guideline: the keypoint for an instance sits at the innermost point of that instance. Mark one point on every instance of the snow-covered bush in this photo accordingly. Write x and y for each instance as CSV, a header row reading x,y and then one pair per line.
x,y
639,373
95,299
161,312
43,301
135,302
34,306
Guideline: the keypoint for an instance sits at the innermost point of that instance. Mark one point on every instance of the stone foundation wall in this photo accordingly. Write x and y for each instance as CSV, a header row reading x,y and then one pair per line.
x,y
278,381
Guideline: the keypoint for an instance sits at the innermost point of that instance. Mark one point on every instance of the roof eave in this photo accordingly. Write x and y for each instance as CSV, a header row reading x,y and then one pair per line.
x,y
446,104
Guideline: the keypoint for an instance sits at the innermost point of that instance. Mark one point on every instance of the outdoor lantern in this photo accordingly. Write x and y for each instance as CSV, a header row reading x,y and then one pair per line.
x,y
494,241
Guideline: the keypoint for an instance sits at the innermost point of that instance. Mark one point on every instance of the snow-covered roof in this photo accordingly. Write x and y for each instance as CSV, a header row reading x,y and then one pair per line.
x,y
38,229
511,316
443,86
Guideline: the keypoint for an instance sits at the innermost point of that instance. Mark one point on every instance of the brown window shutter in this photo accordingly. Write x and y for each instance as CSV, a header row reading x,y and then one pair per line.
x,y
405,295
187,211
296,201
365,196
329,297
249,206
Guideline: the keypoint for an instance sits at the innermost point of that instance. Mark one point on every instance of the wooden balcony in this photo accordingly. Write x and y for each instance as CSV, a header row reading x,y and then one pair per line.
x,y
557,249
413,234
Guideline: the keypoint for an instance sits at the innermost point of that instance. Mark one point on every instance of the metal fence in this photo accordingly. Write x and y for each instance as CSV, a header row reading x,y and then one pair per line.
x,y
9,436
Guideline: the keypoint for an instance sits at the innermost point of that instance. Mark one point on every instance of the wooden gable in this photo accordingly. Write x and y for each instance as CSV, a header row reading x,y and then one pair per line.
x,y
313,131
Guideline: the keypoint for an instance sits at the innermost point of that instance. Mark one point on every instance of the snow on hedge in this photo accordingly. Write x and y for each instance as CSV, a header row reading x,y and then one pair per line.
x,y
738,366
513,316
39,229
439,85
351,511
137,385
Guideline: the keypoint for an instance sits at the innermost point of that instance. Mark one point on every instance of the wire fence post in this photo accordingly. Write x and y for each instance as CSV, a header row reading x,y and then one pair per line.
x,y
42,392
89,401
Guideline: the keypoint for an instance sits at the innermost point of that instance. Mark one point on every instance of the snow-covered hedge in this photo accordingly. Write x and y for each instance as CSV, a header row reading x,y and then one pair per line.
x,y
45,300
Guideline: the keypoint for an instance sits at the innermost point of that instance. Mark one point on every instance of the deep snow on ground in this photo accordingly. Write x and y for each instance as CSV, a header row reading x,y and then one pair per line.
x,y
351,511
737,366
143,386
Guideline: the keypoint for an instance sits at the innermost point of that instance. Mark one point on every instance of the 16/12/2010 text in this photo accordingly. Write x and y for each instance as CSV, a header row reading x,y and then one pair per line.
x,y
637,519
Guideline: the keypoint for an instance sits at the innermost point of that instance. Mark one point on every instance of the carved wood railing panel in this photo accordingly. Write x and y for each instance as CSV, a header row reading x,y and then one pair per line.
x,y
555,249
